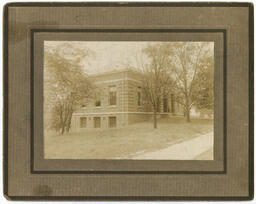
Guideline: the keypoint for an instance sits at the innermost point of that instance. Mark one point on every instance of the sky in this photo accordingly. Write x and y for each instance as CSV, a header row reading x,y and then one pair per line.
x,y
107,55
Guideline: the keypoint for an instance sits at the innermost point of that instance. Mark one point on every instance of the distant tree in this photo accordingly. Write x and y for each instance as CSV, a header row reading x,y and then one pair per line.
x,y
192,64
204,89
157,81
66,84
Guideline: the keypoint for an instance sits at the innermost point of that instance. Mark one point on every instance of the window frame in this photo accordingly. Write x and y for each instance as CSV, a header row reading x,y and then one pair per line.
x,y
94,122
109,95
82,122
139,97
109,118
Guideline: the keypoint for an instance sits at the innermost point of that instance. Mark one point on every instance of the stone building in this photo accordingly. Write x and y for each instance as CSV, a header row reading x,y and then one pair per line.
x,y
119,101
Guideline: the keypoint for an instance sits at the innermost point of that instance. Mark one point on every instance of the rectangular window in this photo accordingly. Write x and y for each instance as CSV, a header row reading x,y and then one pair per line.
x,y
112,122
139,96
158,106
83,122
98,101
97,122
112,95
165,105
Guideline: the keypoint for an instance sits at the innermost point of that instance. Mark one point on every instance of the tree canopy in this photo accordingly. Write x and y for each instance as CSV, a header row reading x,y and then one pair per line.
x,y
158,80
183,68
192,63
66,84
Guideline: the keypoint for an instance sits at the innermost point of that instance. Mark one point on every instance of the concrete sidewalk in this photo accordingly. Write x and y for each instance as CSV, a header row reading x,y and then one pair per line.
x,y
199,148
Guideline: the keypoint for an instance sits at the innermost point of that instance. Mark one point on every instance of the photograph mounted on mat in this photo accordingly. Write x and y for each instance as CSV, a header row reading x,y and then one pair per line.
x,y
128,100
134,101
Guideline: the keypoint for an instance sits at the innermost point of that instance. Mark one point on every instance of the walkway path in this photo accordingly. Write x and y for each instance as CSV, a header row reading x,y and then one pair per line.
x,y
198,148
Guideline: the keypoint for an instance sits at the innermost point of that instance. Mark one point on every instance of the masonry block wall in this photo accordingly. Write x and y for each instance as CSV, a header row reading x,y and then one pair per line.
x,y
119,101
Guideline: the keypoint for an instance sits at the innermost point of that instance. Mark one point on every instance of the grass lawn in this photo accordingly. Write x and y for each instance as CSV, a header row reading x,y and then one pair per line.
x,y
123,142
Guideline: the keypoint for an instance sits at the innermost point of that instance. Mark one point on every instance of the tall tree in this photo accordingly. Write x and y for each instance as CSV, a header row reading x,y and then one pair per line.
x,y
188,61
157,75
66,84
204,89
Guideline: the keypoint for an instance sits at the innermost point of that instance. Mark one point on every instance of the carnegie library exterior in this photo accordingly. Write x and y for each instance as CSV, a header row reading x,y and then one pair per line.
x,y
119,101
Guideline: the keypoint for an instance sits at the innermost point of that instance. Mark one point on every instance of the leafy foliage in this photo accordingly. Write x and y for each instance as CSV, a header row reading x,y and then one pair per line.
x,y
191,62
183,68
157,75
203,96
66,84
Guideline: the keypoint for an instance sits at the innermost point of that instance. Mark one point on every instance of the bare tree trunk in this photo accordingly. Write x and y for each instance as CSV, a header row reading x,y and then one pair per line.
x,y
61,121
188,115
68,125
155,118
62,129
187,110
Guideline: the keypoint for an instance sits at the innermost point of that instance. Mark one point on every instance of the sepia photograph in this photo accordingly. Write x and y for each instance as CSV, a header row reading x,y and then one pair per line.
x,y
138,100
128,101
